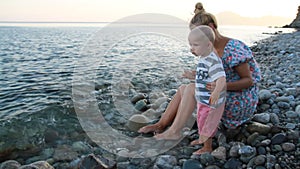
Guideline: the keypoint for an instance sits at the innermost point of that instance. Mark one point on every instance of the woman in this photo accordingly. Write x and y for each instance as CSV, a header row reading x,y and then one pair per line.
x,y
242,76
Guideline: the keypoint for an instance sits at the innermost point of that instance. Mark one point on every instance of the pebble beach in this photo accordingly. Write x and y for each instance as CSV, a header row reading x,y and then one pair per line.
x,y
269,141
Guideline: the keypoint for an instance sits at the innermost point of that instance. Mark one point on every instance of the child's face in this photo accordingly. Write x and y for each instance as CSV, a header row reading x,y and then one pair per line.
x,y
199,47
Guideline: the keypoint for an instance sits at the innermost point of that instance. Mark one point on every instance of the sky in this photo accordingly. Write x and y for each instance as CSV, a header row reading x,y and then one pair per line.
x,y
112,10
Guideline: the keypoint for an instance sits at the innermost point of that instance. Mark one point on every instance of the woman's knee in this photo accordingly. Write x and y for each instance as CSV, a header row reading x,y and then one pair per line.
x,y
181,88
190,88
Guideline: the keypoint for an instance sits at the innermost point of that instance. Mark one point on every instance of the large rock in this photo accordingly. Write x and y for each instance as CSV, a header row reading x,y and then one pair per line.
x,y
137,121
258,127
93,161
39,165
10,164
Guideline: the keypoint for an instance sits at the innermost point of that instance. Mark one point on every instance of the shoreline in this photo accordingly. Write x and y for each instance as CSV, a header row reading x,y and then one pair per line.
x,y
270,140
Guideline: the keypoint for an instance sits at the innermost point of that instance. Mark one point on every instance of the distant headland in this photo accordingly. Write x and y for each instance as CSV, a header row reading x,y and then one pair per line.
x,y
230,18
296,21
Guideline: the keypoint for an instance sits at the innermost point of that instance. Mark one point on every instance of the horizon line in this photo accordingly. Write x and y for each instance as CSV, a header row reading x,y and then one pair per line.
x,y
53,22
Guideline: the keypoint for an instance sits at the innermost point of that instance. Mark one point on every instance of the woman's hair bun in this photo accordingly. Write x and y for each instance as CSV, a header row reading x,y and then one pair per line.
x,y
199,8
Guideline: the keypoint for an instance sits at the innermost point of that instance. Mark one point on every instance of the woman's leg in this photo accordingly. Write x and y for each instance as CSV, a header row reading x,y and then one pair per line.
x,y
168,116
184,112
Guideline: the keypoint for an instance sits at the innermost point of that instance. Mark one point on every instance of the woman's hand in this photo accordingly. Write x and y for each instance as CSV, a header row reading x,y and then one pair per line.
x,y
211,86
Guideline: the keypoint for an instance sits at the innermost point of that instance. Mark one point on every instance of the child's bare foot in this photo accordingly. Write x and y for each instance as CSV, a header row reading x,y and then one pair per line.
x,y
202,151
156,128
168,135
200,140
195,142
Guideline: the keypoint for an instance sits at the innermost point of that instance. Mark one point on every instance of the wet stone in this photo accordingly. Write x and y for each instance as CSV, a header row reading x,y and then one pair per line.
x,y
219,153
10,164
283,99
276,148
252,139
290,126
283,105
64,153
278,138
207,159
260,167
93,161
271,161
138,97
247,153
279,85
297,109
51,136
80,147
274,118
42,165
262,118
234,150
264,107
261,150
264,94
28,167
137,121
293,134
288,147
233,163
141,105
212,167
166,162
258,127
192,164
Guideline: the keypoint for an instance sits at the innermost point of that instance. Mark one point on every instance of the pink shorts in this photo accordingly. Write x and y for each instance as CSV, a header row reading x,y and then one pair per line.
x,y
208,119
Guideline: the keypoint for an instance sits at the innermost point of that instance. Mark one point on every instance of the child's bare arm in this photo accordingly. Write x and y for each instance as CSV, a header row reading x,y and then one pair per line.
x,y
220,85
189,74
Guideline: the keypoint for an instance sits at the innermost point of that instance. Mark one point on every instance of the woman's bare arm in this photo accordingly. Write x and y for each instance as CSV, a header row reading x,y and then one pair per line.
x,y
245,81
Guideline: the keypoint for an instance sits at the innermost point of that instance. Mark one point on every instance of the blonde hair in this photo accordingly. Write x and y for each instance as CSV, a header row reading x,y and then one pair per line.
x,y
199,8
204,32
203,18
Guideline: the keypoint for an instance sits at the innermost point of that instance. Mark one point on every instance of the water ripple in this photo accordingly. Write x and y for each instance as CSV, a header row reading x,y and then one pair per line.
x,y
36,67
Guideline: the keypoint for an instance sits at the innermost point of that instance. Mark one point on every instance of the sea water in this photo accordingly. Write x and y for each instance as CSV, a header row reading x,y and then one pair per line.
x,y
38,62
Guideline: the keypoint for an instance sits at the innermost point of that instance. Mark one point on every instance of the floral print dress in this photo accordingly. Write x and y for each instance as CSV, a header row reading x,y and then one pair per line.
x,y
240,105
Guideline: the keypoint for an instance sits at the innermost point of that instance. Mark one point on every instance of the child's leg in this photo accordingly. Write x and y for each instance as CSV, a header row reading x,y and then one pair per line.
x,y
208,120
207,147
202,113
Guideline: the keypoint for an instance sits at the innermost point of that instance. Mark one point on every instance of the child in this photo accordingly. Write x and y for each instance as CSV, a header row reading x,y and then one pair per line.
x,y
210,105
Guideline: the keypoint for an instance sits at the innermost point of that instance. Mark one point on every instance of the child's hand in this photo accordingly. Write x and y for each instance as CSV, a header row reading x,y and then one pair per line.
x,y
189,74
213,99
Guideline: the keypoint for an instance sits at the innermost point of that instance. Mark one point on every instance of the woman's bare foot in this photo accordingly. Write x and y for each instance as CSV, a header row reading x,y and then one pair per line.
x,y
202,151
155,128
168,135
